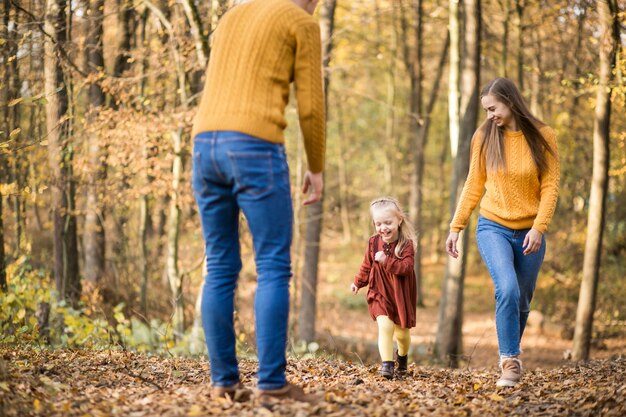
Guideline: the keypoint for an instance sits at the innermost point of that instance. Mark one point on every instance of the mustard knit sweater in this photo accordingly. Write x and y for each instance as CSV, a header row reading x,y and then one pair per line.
x,y
258,49
518,197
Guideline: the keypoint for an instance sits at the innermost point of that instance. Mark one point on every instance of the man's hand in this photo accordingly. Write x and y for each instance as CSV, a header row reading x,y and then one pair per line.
x,y
313,184
451,244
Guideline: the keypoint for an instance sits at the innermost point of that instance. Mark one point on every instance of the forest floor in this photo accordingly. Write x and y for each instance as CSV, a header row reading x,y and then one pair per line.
x,y
41,382
343,371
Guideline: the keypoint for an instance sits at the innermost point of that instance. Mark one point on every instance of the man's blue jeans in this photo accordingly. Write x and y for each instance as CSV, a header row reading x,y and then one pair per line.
x,y
514,277
233,171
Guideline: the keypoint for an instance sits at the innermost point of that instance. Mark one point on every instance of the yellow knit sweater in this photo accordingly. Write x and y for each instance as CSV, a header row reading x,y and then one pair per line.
x,y
518,197
258,49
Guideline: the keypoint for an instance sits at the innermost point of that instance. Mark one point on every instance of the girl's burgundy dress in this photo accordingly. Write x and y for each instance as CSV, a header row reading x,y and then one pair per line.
x,y
392,288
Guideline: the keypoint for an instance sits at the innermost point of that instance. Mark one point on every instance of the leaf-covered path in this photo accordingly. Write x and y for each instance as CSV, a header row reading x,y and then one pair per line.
x,y
37,382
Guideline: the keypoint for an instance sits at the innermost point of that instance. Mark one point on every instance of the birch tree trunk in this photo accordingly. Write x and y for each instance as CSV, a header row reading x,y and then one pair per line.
x,y
173,226
449,344
66,275
609,42
315,212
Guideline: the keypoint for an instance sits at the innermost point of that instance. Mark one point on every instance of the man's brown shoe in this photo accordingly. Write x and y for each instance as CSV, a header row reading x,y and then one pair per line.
x,y
288,392
237,392
511,372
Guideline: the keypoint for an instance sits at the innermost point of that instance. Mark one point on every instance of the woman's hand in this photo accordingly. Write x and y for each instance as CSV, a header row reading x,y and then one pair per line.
x,y
451,244
380,256
532,241
354,288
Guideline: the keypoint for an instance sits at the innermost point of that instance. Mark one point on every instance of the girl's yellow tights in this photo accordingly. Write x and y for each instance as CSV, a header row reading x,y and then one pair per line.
x,y
387,331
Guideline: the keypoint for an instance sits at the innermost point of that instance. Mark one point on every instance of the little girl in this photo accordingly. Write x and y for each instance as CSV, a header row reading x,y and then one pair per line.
x,y
388,270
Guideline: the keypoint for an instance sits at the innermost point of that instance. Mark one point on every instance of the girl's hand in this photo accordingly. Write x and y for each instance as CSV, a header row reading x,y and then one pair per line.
x,y
354,288
451,244
532,241
380,256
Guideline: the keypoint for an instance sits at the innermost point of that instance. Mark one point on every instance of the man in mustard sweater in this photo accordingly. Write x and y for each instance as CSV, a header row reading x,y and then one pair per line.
x,y
239,164
514,161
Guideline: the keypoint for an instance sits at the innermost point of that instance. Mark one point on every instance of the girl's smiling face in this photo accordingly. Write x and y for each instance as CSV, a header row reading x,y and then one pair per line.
x,y
387,224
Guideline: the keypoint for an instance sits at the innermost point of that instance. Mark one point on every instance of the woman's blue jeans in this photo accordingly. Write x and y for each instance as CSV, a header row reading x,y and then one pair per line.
x,y
235,172
514,277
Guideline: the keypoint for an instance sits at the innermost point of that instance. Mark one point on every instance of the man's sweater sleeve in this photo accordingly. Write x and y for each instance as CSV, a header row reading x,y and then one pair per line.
x,y
310,93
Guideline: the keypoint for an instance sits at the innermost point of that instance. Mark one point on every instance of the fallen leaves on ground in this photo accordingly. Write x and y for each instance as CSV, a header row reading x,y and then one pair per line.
x,y
40,382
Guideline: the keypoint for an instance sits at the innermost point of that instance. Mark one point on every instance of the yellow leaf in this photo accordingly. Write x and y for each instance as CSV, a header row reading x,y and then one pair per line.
x,y
496,397
37,405
44,143
4,386
15,101
476,386
195,410
21,313
14,133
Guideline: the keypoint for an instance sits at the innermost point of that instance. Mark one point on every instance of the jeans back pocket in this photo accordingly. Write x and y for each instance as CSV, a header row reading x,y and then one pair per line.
x,y
252,172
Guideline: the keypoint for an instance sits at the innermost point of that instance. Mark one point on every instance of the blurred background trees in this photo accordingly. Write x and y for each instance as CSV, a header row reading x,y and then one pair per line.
x,y
97,100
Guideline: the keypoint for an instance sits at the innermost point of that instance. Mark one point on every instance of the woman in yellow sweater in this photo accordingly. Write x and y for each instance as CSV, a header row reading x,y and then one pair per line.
x,y
514,162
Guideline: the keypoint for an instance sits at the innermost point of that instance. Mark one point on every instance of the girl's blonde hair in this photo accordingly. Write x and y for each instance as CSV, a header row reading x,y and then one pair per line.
x,y
406,232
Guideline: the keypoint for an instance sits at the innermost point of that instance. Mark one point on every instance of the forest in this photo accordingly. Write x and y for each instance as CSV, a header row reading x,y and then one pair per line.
x,y
100,241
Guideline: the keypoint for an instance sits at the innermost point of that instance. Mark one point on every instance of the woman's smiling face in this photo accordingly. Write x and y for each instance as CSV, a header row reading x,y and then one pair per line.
x,y
499,112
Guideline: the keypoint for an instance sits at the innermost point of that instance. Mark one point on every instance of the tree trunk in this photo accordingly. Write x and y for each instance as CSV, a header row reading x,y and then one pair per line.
x,y
201,39
506,8
197,343
414,64
94,238
144,218
597,200
173,226
315,212
127,29
66,274
342,173
519,8
3,269
18,162
5,127
453,77
175,278
448,344
536,99
218,8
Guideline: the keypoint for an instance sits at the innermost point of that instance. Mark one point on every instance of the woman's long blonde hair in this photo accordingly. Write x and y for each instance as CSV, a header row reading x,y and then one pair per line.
x,y
492,148
406,232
